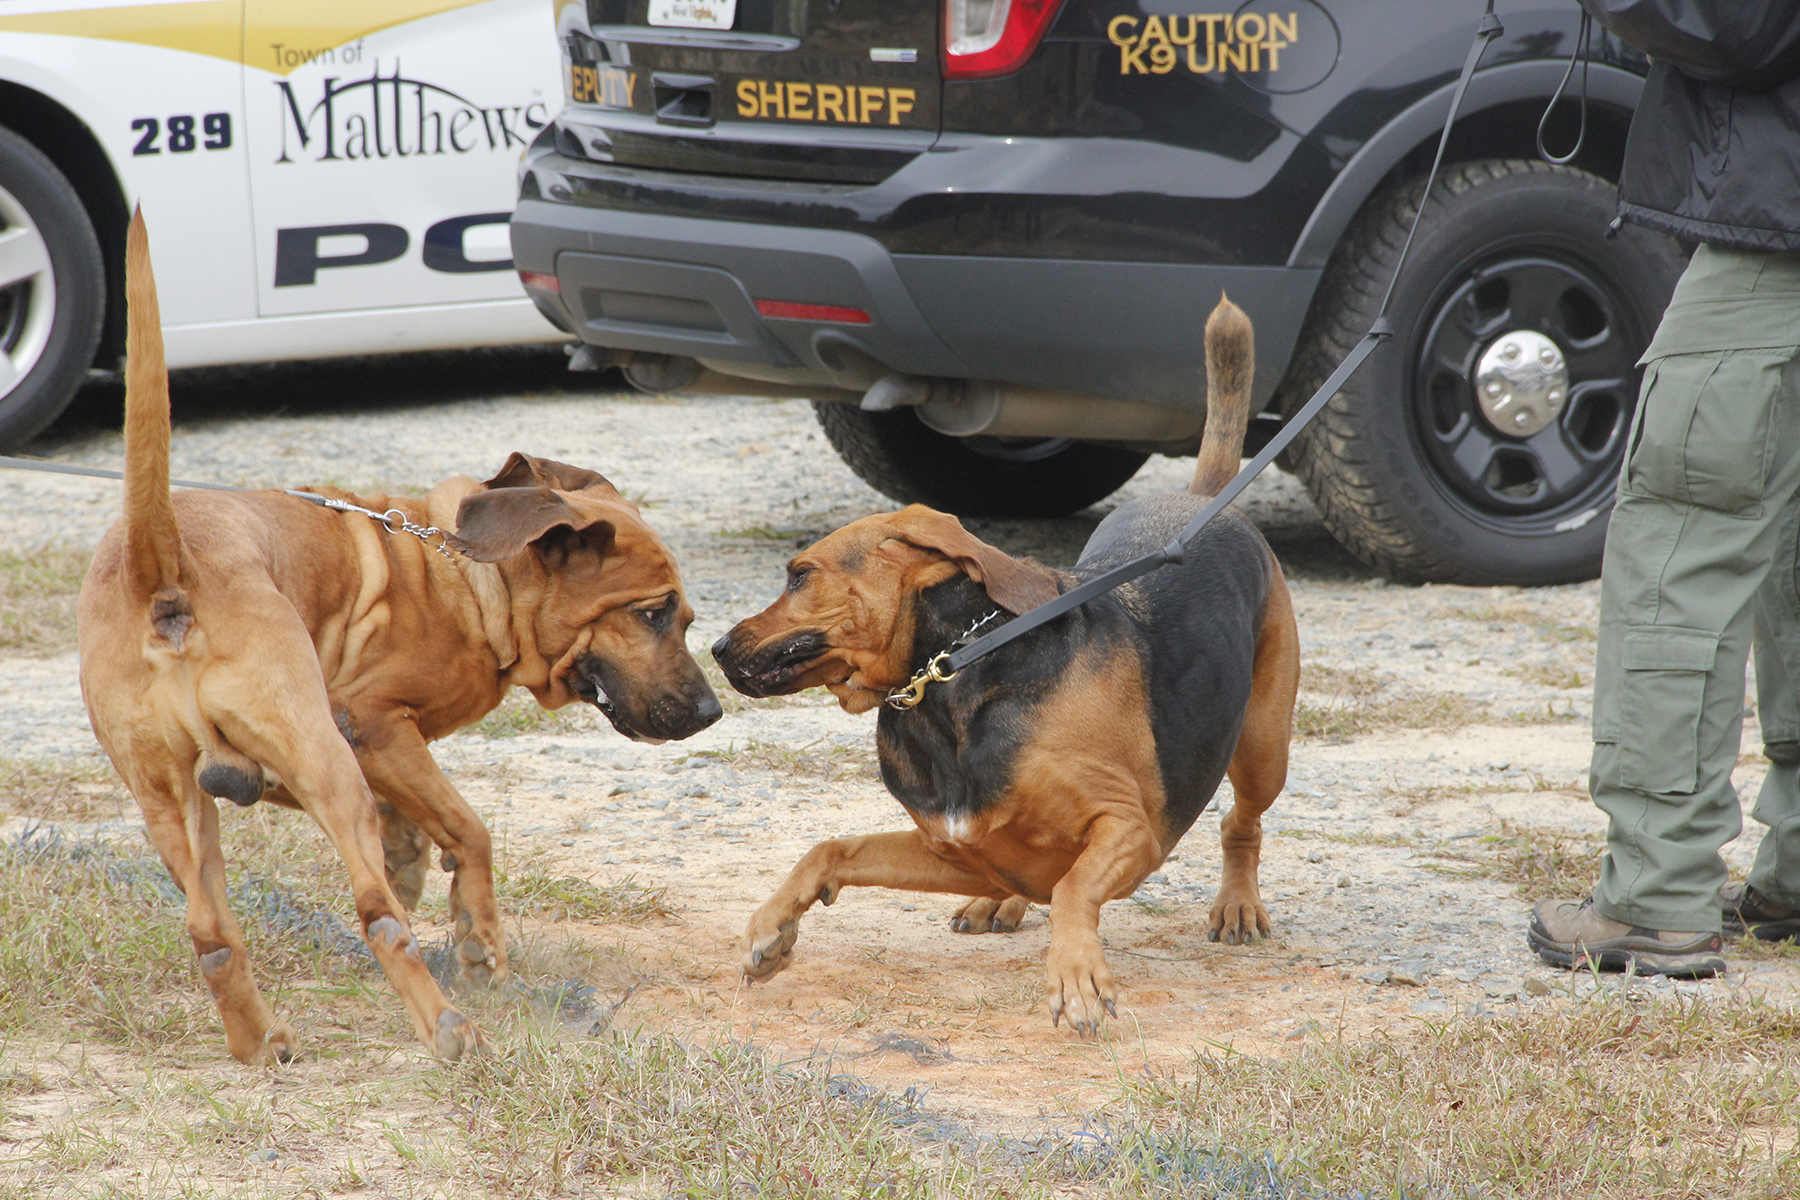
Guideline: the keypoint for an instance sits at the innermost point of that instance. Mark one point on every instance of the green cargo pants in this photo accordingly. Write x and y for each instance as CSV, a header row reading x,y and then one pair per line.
x,y
1704,547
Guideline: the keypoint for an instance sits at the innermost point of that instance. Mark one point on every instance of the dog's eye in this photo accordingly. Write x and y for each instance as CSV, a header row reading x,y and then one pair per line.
x,y
658,617
796,577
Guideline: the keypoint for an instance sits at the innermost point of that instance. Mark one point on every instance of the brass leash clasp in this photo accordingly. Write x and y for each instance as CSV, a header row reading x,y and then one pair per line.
x,y
913,692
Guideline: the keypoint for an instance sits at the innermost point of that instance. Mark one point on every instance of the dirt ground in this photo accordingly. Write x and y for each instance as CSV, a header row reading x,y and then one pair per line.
x,y
1442,760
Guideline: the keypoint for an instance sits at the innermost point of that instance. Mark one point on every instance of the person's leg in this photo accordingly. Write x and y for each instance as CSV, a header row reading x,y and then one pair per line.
x,y
1771,905
1715,459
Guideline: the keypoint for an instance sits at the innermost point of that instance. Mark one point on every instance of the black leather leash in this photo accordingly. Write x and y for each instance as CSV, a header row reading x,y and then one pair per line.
x,y
393,520
944,666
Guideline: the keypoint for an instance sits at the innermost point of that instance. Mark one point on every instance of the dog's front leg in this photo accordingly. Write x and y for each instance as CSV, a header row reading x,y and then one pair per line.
x,y
398,765
891,860
1120,851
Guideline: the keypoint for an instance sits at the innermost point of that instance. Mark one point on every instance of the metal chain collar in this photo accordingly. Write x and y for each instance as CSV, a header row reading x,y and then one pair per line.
x,y
933,671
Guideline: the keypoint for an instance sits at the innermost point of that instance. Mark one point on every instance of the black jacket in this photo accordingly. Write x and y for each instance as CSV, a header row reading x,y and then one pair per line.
x,y
1714,150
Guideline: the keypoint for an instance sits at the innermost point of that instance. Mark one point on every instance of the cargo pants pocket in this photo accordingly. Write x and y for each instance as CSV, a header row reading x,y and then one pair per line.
x,y
1706,430
1662,689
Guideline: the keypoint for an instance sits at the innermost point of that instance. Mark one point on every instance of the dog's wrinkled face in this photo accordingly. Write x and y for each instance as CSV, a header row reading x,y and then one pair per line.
x,y
597,602
846,619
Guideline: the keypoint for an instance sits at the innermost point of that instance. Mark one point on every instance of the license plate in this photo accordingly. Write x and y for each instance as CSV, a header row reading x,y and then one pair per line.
x,y
693,14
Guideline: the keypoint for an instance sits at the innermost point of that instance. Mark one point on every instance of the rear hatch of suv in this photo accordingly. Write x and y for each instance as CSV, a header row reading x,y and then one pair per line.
x,y
840,91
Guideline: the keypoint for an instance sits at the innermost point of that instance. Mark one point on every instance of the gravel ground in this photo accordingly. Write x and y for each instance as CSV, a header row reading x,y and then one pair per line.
x,y
1472,709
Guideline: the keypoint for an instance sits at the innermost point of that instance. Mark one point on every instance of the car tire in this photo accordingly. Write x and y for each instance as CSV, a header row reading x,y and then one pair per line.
x,y
52,291
1405,465
902,458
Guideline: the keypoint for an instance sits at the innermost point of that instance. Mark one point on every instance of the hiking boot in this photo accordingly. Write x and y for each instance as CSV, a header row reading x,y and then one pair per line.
x,y
1569,933
1744,910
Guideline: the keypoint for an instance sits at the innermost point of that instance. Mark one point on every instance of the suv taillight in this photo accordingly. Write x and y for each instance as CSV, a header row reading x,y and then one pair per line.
x,y
992,37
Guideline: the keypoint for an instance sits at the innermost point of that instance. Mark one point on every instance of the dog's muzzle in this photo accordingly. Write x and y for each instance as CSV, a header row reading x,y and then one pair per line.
x,y
771,670
671,715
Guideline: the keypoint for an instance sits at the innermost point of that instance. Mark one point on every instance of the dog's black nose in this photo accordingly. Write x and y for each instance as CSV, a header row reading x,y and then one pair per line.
x,y
708,710
721,646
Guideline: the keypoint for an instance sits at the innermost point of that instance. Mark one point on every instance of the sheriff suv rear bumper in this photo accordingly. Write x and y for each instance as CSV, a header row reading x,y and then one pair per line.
x,y
690,286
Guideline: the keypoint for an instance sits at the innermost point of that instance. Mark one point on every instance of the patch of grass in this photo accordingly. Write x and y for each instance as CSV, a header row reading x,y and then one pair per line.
x,y
1353,703
532,892
38,589
1391,840
1541,862
824,759
1515,615
96,940
1408,800
1757,950
1357,683
1556,677
1549,716
658,1117
519,714
72,789
1602,1099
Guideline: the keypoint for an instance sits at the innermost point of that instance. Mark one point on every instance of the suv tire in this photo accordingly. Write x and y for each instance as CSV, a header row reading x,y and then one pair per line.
x,y
52,291
902,458
1403,464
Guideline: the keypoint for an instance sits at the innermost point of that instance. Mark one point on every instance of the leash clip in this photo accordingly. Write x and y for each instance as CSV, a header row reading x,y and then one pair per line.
x,y
913,692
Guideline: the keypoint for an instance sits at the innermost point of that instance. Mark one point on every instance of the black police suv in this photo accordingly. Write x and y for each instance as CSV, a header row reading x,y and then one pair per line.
x,y
983,236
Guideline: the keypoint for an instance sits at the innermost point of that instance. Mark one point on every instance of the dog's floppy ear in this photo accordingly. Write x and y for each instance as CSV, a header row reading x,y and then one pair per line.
x,y
522,470
1014,585
494,525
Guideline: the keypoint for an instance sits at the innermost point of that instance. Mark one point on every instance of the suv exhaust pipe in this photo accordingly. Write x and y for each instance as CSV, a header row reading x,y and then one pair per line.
x,y
972,407
955,407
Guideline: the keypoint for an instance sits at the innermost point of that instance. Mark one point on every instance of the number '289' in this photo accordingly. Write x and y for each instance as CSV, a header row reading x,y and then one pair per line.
x,y
214,134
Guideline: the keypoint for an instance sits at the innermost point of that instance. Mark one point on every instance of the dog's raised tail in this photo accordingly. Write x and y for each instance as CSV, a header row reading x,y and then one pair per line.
x,y
153,549
1230,367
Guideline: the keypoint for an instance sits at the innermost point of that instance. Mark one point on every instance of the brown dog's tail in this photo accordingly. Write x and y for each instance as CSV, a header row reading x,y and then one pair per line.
x,y
1230,366
153,551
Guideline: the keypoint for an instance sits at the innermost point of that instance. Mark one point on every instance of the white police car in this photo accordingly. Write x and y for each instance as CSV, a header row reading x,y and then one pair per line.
x,y
320,177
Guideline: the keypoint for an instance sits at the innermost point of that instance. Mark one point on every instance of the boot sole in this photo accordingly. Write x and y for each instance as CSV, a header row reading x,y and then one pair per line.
x,y
1613,956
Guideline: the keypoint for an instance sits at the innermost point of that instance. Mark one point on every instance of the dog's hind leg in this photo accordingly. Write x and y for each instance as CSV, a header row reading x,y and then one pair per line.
x,y
1258,770
400,768
270,701
184,826
406,854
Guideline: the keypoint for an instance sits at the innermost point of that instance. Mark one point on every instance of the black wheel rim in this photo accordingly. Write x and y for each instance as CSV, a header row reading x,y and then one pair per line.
x,y
1557,478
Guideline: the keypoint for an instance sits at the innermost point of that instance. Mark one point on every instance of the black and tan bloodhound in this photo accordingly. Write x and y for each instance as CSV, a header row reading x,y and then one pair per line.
x,y
1063,768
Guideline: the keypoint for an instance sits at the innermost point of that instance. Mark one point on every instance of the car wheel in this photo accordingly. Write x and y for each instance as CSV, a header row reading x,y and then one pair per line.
x,y
1482,445
902,458
52,291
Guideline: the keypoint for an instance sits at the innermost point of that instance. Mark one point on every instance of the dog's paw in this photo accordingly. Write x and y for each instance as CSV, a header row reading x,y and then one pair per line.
x,y
1079,985
768,950
281,1044
986,915
480,964
278,1044
1238,920
457,1037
